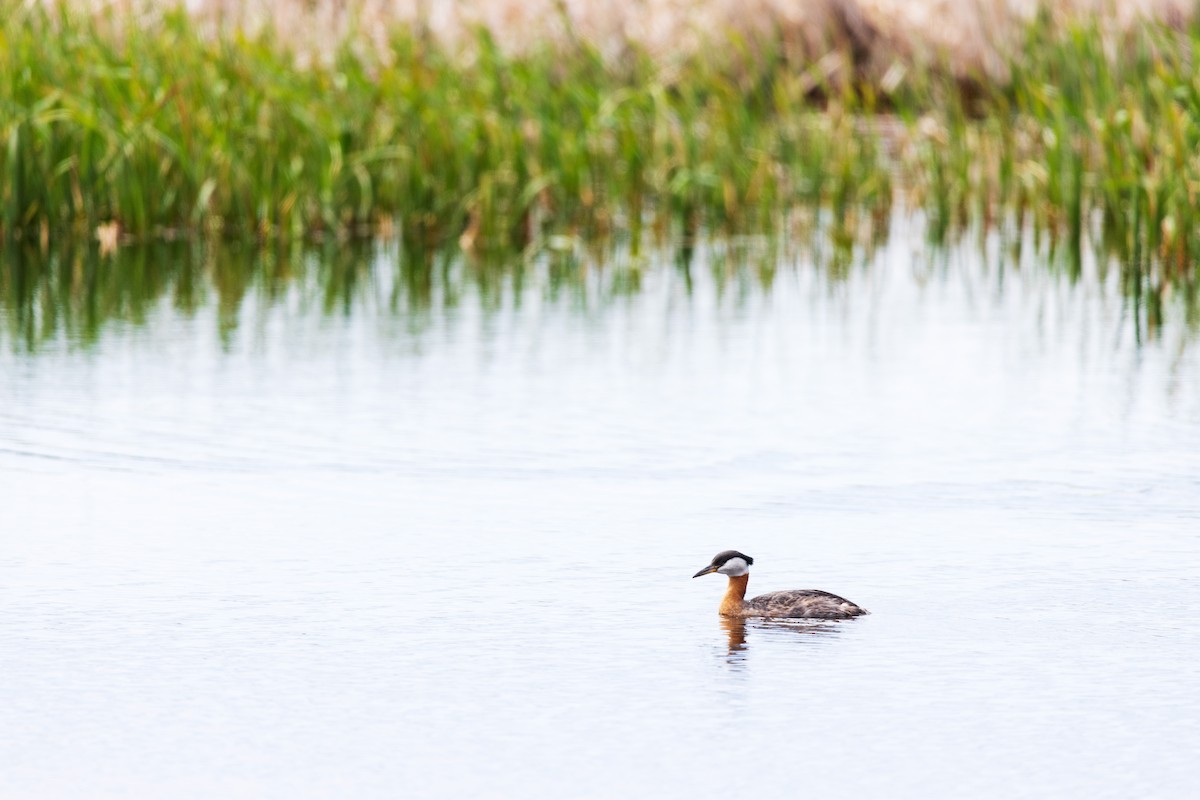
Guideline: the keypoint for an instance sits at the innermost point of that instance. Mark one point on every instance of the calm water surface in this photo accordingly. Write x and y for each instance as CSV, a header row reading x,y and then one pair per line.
x,y
293,546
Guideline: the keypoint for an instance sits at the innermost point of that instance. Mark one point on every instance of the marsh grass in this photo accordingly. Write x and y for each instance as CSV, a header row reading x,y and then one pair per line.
x,y
165,131
162,130
1094,142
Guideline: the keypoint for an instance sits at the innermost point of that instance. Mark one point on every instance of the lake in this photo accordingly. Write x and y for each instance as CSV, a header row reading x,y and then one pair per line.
x,y
328,524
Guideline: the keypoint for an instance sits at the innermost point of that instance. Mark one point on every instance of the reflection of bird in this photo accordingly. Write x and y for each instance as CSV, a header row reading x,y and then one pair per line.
x,y
735,629
806,603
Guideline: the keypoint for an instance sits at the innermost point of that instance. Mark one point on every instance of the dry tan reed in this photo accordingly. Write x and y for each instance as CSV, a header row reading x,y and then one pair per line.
x,y
972,38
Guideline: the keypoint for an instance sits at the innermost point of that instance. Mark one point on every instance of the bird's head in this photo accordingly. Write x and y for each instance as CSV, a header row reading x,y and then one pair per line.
x,y
728,562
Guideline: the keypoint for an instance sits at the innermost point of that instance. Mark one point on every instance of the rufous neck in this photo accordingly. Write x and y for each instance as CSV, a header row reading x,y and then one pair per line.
x,y
731,604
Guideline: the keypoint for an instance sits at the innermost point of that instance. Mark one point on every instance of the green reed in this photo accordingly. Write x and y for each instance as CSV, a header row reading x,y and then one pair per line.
x,y
158,130
163,130
1094,138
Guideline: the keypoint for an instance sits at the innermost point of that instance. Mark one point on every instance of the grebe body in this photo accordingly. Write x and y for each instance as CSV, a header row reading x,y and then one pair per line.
x,y
794,603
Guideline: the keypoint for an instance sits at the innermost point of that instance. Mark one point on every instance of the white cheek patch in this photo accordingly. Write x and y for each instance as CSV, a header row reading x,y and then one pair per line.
x,y
734,567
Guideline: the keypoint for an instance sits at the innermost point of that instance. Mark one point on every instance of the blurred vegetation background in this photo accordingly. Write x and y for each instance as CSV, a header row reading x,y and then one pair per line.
x,y
503,129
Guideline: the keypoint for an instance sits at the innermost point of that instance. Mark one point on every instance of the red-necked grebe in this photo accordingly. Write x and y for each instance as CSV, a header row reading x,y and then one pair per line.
x,y
794,603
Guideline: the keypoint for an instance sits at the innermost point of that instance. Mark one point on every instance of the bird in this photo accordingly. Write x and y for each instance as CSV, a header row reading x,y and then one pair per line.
x,y
792,603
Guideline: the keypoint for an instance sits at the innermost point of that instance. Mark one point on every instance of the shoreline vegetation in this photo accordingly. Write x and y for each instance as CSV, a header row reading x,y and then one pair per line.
x,y
133,122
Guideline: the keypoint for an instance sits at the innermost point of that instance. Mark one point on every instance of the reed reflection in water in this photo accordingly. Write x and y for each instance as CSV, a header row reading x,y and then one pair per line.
x,y
70,294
